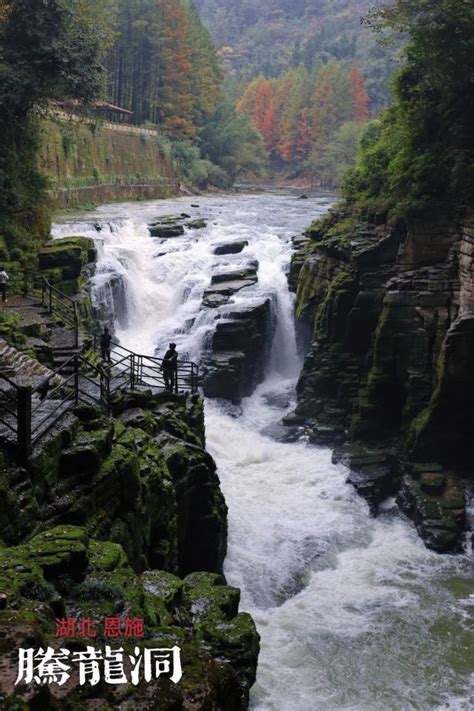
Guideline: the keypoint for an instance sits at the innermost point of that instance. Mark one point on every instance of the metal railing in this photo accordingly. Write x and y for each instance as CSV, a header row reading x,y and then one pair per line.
x,y
141,370
28,413
59,304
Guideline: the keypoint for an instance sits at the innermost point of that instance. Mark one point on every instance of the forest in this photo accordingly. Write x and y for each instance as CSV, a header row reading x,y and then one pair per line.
x,y
154,58
311,123
273,36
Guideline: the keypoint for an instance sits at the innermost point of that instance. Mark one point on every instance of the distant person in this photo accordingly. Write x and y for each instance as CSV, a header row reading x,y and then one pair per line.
x,y
3,284
105,342
170,366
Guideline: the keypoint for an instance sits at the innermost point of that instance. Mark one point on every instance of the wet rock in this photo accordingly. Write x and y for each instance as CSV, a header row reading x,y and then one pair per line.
x,y
213,300
166,231
196,224
222,375
231,247
436,504
247,273
219,294
239,351
390,317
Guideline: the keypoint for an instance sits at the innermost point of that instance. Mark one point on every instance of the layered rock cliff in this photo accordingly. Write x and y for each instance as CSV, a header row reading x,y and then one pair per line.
x,y
388,380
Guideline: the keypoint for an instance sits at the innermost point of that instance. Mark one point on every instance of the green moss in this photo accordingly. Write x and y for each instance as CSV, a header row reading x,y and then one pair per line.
x,y
10,329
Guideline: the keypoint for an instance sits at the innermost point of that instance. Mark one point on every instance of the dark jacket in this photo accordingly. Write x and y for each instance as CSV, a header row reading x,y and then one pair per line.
x,y
105,340
170,361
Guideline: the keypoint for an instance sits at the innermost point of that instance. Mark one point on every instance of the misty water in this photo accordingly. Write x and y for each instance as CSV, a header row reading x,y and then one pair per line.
x,y
354,612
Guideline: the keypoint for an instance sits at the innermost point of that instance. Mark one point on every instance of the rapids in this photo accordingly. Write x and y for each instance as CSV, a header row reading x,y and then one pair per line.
x,y
354,612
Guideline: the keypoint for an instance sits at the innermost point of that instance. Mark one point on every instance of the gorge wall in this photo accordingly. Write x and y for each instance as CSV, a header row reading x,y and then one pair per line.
x,y
97,162
388,311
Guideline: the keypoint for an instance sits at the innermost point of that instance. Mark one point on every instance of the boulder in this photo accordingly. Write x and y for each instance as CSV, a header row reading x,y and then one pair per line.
x,y
230,247
164,231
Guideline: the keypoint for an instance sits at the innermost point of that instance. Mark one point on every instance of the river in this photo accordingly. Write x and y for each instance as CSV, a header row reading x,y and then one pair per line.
x,y
355,614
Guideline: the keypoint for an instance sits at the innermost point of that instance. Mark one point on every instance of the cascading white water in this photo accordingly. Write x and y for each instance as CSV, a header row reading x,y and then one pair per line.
x,y
355,613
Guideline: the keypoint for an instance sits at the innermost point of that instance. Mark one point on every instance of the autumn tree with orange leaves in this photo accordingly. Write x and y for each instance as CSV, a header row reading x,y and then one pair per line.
x,y
299,114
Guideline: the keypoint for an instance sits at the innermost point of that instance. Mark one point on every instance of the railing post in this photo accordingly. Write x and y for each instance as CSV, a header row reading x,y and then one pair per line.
x,y
25,283
76,380
105,391
76,325
24,424
132,371
175,378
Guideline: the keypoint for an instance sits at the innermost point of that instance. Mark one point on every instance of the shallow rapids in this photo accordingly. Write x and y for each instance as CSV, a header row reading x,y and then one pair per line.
x,y
355,614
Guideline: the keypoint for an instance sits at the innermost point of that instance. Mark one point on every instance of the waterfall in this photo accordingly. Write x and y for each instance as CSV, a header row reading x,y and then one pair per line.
x,y
354,612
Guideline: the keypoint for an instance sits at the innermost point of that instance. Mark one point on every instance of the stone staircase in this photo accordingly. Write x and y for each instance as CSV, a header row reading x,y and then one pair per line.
x,y
21,368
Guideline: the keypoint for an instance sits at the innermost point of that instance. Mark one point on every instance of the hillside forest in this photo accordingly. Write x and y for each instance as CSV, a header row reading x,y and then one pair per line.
x,y
153,57
311,122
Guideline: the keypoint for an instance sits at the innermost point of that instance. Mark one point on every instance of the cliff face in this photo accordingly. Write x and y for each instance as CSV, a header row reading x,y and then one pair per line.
x,y
387,379
97,163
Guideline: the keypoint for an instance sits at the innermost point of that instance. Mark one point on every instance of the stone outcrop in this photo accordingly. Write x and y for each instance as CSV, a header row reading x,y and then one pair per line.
x,y
235,247
390,316
123,516
68,263
226,284
170,226
239,351
141,479
65,573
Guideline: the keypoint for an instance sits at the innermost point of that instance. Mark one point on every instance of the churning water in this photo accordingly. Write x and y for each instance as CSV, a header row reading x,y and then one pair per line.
x,y
354,612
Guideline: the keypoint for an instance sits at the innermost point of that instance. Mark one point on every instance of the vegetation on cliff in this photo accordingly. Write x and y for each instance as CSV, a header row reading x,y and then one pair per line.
x,y
420,152
48,50
384,285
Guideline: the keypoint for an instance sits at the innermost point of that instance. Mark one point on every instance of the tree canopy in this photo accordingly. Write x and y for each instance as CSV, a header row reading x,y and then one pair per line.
x,y
300,114
420,152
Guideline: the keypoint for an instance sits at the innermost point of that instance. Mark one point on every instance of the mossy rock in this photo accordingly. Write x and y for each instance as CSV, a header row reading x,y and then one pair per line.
x,y
196,224
68,252
163,595
207,597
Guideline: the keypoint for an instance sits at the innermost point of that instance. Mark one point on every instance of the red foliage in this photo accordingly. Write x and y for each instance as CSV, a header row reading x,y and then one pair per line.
x,y
360,97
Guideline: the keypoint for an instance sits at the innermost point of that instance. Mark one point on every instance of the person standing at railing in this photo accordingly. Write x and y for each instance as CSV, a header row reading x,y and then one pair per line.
x,y
170,366
105,342
3,284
